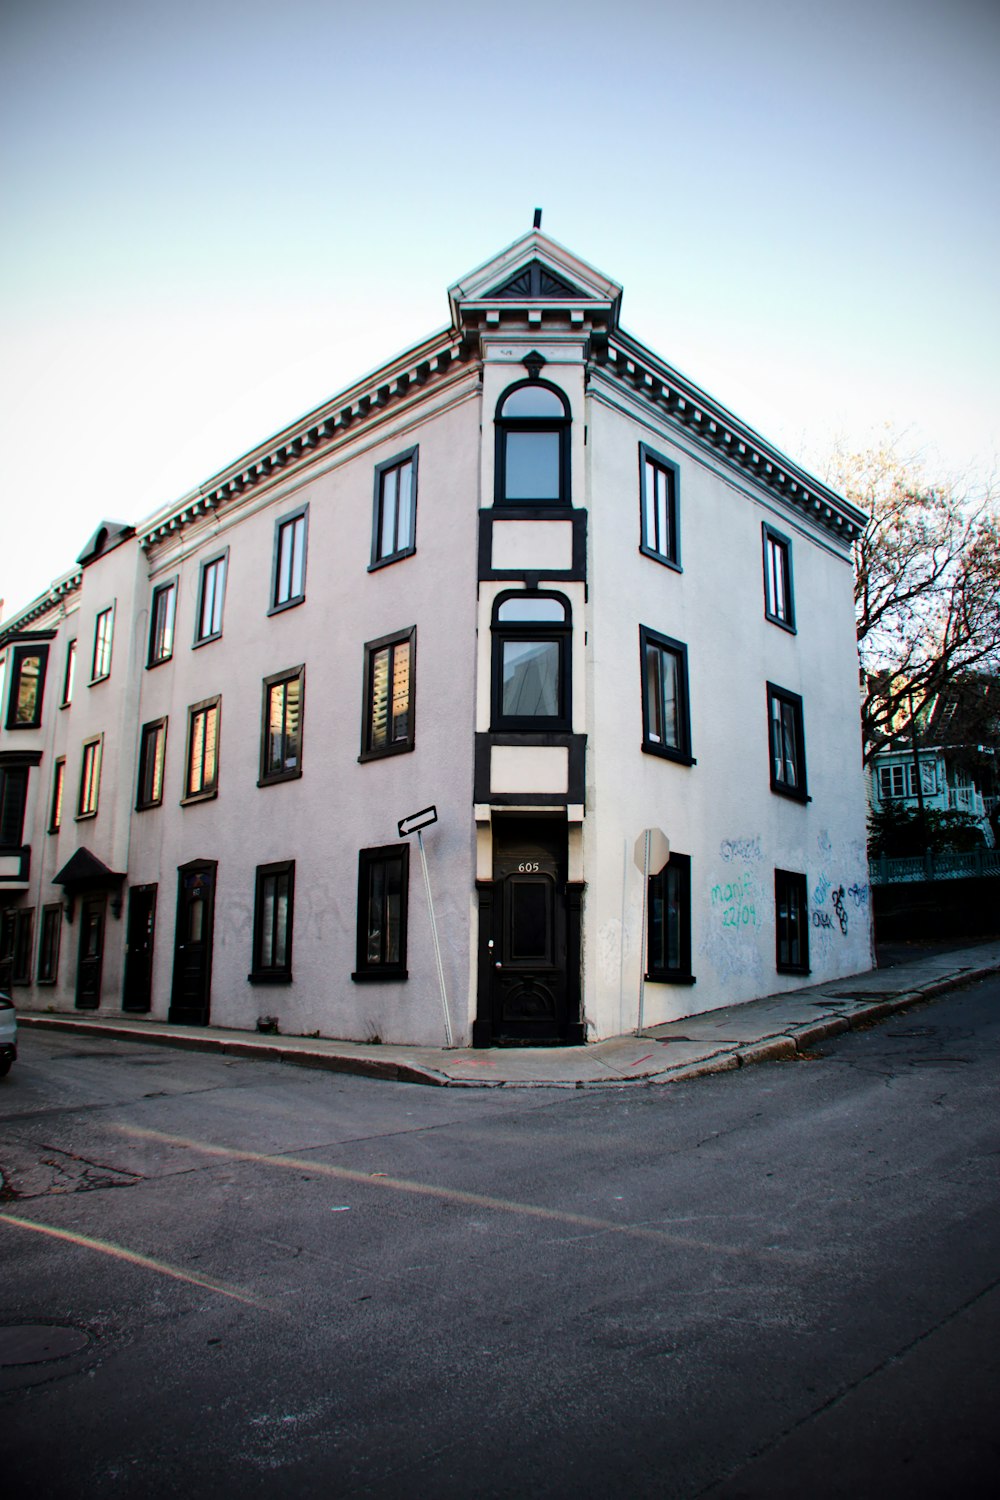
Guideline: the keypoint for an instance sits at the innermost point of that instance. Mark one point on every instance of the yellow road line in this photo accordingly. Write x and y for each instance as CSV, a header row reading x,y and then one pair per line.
x,y
146,1262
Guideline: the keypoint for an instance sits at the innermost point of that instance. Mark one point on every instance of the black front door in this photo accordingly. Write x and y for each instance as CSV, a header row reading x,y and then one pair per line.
x,y
526,938
137,990
90,955
192,987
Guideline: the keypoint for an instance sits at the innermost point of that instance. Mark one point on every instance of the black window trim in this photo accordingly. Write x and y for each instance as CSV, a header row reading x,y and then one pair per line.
x,y
52,914
209,792
782,788
169,585
145,735
401,747
681,753
69,672
409,455
57,803
291,674
95,677
301,512
207,562
14,781
503,425
770,533
682,974
795,881
22,920
366,973
96,740
274,973
530,630
18,654
673,558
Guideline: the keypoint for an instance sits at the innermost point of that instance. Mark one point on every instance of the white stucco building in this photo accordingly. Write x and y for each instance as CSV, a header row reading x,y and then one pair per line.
x,y
527,573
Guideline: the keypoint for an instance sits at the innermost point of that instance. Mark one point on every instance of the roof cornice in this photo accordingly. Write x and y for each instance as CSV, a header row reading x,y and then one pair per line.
x,y
626,361
323,429
54,596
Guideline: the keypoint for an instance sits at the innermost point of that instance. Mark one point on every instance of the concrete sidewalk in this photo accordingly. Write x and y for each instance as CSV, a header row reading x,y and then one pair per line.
x,y
774,1027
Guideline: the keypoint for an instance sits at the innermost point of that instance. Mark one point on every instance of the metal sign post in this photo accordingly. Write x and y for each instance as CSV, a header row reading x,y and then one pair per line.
x,y
652,851
414,824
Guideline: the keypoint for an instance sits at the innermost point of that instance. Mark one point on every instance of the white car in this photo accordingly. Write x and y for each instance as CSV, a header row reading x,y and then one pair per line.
x,y
8,1033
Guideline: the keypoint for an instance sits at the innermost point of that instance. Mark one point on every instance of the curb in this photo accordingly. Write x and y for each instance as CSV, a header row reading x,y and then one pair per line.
x,y
777,1047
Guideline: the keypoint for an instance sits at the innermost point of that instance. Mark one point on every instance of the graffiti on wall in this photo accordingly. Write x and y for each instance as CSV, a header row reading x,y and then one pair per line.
x,y
736,908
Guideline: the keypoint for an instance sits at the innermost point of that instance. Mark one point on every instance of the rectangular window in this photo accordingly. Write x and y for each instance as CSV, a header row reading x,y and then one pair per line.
x,y
389,695
669,918
152,756
201,779
895,782
104,627
383,881
791,916
778,604
281,726
69,676
48,945
13,798
161,624
211,597
27,685
272,924
21,945
666,721
659,482
288,583
394,522
788,745
90,780
58,787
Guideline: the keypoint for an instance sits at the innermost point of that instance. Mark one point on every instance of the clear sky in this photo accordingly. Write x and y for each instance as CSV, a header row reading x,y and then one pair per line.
x,y
216,213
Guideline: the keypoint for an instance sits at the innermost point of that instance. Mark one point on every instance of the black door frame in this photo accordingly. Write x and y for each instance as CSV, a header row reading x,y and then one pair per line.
x,y
488,1030
96,901
181,1010
134,979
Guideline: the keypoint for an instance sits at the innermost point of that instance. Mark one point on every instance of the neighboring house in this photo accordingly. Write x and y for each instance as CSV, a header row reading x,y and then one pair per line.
x,y
945,783
525,572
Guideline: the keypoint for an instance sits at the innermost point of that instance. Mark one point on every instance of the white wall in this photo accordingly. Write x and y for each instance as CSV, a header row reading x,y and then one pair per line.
x,y
720,811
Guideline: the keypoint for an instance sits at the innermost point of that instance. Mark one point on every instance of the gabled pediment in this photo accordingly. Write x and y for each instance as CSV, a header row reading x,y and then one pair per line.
x,y
536,269
535,280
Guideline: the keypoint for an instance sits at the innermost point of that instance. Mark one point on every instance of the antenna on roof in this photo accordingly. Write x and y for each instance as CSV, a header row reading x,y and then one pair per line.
x,y
538,219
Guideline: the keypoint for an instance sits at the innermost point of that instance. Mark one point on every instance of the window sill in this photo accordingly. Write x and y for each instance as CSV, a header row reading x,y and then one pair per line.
x,y
379,976
277,609
160,662
206,640
790,793
388,751
200,797
35,724
667,562
790,969
781,624
269,978
280,776
395,557
679,757
95,680
671,979
148,806
84,816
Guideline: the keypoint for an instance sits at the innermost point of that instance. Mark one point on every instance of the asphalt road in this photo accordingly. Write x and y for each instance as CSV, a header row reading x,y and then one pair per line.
x,y
253,1279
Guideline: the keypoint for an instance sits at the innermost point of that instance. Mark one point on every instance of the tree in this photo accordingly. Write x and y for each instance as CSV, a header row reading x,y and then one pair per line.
x,y
927,589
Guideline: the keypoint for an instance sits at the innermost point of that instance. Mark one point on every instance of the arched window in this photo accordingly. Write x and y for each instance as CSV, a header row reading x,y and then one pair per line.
x,y
531,662
532,454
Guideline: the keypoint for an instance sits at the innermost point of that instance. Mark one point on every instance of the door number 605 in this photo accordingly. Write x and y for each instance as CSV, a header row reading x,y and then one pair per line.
x,y
528,867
